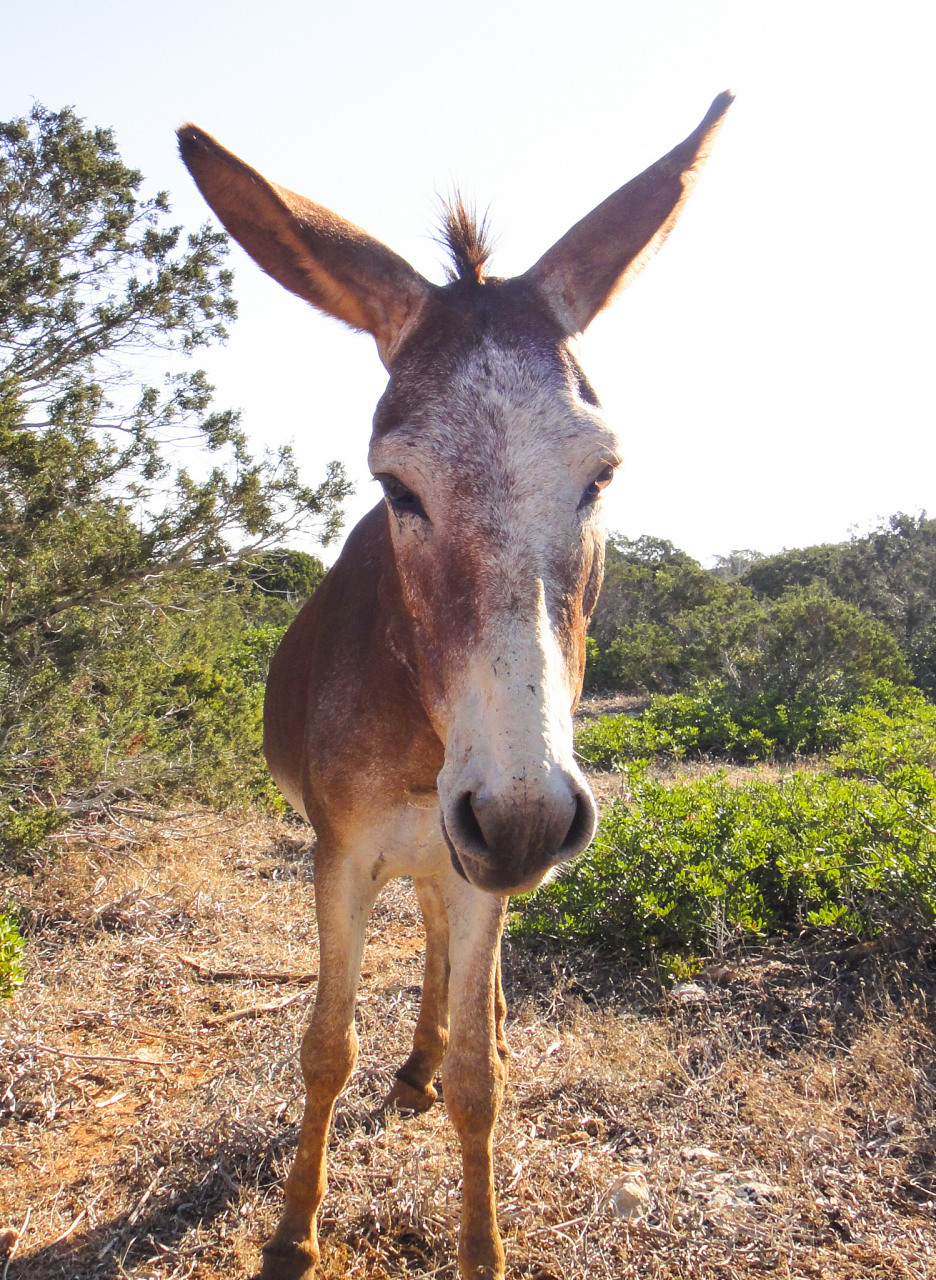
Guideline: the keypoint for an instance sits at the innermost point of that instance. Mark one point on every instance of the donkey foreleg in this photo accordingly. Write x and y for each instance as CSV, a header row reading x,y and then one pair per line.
x,y
473,1073
413,1088
344,896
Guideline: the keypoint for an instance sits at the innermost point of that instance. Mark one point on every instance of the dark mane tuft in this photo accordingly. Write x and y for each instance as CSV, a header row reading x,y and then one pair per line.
x,y
467,240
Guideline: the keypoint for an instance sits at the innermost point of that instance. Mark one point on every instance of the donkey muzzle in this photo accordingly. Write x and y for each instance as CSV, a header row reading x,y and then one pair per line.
x,y
508,842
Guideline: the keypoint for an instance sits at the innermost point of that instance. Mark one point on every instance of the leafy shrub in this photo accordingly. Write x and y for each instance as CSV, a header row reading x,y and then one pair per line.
x,y
280,582
888,733
647,580
921,655
682,866
11,955
636,642
213,736
829,618
888,574
679,866
643,656
713,719
159,694
710,720
815,646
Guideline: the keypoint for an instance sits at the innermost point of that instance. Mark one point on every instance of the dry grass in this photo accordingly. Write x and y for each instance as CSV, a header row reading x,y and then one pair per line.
x,y
782,1115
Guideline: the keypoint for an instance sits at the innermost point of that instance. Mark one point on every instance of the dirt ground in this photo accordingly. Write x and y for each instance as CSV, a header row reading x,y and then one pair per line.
x,y
777,1115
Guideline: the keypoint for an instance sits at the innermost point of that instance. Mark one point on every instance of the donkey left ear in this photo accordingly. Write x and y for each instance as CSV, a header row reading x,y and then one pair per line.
x,y
600,255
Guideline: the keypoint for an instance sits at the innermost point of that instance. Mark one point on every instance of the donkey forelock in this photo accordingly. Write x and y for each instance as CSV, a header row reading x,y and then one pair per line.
x,y
468,241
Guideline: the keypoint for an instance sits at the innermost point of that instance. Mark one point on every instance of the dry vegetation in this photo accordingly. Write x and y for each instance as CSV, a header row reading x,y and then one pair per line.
x,y
780,1109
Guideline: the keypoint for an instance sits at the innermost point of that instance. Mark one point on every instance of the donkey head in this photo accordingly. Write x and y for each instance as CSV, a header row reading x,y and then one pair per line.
x,y
492,452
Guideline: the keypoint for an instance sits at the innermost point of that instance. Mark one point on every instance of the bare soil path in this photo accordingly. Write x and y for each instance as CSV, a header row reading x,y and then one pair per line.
x,y
781,1114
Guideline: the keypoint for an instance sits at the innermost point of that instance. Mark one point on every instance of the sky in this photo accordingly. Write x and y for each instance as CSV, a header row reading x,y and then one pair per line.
x,y
770,372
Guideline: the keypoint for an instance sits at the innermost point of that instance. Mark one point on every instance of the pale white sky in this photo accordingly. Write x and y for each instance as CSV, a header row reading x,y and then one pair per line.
x,y
770,372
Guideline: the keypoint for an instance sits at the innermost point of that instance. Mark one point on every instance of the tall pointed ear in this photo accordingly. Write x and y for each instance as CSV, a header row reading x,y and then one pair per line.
x,y
584,270
311,251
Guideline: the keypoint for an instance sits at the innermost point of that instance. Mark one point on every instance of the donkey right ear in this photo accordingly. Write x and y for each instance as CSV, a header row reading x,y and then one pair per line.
x,y
584,270
311,251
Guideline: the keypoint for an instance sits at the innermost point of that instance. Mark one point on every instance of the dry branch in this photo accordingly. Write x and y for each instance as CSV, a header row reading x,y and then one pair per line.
x,y
98,1057
246,975
253,1011
68,1230
133,1216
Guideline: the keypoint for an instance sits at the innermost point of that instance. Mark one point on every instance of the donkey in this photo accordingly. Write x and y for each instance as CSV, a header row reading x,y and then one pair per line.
x,y
419,709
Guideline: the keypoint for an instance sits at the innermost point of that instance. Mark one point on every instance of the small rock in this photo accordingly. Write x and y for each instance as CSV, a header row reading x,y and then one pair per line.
x,y
689,992
8,1239
701,1155
630,1195
721,973
757,1192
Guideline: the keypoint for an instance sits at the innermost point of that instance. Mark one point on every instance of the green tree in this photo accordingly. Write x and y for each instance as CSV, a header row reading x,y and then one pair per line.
x,y
280,582
111,553
735,564
819,647
636,642
889,574
647,580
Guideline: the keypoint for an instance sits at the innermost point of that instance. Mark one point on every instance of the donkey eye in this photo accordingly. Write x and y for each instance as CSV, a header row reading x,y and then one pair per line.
x,y
593,491
400,498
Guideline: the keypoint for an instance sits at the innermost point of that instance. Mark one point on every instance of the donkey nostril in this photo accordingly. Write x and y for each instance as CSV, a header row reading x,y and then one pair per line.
x,y
582,827
467,824
487,827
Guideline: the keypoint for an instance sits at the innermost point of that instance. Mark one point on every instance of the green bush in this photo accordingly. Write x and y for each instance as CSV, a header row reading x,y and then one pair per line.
x,y
710,720
645,656
159,695
213,736
636,643
888,574
713,719
11,955
827,618
890,737
815,646
684,866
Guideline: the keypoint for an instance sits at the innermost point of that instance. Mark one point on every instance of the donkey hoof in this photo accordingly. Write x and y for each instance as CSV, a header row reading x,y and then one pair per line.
x,y
295,1261
407,1098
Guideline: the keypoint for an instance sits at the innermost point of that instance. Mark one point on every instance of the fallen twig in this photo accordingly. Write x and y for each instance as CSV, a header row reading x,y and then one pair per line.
x,y
254,1010
133,1215
148,1033
65,1234
246,975
98,1057
555,1226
